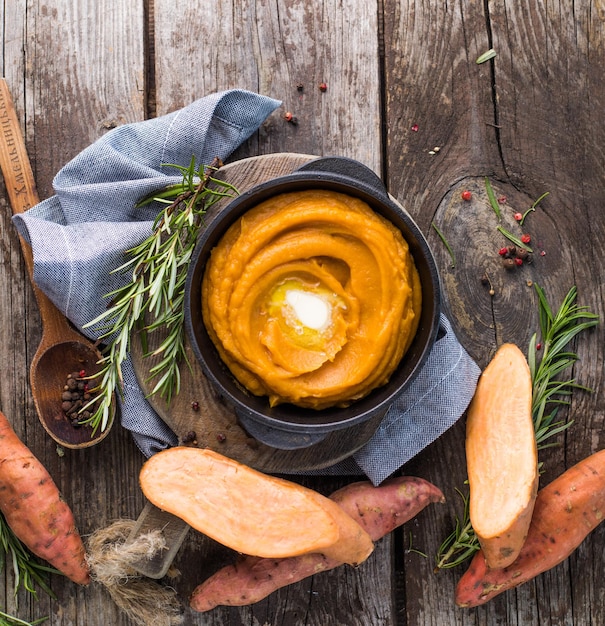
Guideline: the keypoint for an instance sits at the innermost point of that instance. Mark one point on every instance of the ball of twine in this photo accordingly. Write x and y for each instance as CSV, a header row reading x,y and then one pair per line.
x,y
110,557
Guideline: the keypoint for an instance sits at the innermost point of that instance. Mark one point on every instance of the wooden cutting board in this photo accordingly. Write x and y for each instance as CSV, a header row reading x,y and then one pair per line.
x,y
198,411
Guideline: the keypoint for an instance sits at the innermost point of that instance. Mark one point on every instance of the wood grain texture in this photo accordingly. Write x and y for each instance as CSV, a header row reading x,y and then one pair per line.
x,y
531,120
273,47
74,69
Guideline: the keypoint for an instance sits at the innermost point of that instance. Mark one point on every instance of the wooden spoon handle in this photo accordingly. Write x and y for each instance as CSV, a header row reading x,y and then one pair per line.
x,y
22,193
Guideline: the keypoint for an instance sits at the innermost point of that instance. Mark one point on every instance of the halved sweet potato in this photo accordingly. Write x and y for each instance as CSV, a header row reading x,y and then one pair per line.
x,y
248,511
502,457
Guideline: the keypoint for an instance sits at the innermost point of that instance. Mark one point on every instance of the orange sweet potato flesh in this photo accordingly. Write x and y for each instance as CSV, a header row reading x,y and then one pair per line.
x,y
34,509
377,509
502,457
566,511
249,511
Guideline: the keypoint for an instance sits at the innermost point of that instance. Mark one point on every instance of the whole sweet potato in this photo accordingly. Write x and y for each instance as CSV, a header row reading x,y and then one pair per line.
x,y
565,512
379,510
35,510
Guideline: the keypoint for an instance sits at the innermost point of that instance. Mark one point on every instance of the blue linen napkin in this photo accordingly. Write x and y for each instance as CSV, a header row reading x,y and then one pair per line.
x,y
78,236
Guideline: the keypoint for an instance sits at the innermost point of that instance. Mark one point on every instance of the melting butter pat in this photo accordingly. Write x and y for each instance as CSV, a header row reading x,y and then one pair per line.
x,y
311,310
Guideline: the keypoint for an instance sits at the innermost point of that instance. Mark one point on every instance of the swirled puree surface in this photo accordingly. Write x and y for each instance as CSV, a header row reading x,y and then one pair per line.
x,y
311,298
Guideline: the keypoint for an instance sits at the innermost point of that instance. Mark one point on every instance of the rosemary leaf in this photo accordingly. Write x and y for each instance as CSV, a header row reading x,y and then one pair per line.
x,y
445,243
513,238
486,56
492,199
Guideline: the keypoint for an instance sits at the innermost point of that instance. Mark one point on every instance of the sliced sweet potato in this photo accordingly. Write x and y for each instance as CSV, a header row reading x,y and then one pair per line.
x,y
249,511
502,457
566,511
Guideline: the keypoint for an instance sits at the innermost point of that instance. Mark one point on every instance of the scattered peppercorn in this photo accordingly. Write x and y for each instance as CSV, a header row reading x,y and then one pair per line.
x,y
508,263
414,128
195,405
513,256
526,238
502,200
189,437
300,87
221,437
466,195
518,216
323,87
74,397
290,118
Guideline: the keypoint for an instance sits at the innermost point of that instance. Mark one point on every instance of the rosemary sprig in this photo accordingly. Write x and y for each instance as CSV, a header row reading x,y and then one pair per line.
x,y
461,543
158,270
557,331
10,620
532,207
26,570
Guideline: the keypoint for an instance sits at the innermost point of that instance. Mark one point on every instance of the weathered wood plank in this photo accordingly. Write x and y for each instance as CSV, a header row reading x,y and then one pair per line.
x,y
272,47
74,70
529,120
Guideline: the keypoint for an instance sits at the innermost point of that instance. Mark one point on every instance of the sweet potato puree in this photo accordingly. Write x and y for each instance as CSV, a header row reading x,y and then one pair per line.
x,y
311,298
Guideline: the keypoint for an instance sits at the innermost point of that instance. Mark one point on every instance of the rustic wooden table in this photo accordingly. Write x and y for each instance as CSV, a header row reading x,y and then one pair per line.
x,y
406,97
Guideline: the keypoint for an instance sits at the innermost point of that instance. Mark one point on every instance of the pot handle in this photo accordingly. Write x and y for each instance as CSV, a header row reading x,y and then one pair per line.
x,y
347,167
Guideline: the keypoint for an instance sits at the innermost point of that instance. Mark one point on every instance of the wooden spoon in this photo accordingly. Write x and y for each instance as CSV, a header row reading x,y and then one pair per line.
x,y
62,349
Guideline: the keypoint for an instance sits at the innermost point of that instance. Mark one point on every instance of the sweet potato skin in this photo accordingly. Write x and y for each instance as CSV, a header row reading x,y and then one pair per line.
x,y
34,509
282,518
500,440
566,511
377,509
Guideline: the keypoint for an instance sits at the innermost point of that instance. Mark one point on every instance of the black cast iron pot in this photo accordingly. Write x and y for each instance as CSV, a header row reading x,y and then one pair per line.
x,y
287,426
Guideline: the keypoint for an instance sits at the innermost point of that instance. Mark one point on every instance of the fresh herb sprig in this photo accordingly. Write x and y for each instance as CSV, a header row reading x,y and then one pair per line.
x,y
158,270
27,572
10,620
461,543
557,331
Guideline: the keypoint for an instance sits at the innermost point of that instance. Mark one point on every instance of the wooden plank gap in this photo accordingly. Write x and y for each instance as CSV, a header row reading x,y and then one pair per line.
x,y
149,60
